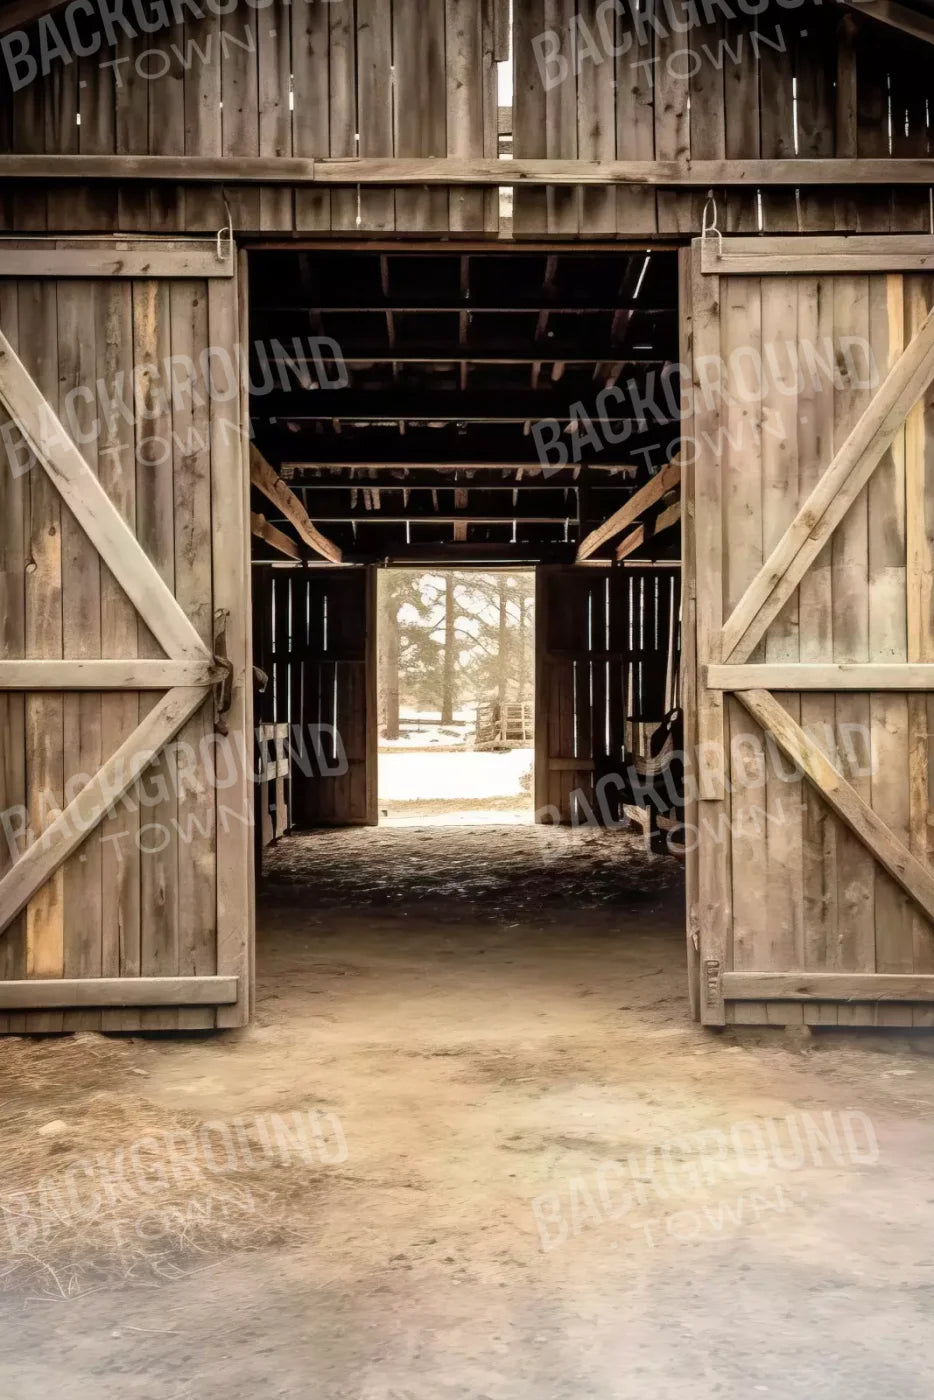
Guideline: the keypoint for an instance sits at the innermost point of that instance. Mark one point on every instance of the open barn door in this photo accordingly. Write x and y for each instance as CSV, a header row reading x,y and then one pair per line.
x,y
813,511
607,659
315,638
126,895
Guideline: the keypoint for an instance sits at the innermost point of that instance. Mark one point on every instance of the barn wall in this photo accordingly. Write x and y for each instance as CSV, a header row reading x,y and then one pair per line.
x,y
418,77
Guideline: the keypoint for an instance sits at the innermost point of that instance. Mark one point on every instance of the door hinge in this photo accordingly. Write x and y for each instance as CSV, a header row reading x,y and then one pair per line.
x,y
223,689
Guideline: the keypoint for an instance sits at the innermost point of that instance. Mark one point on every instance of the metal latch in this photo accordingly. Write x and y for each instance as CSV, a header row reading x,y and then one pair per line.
x,y
223,688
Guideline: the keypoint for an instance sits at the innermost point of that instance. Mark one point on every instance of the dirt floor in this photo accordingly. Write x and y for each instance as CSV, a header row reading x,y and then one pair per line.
x,y
472,1149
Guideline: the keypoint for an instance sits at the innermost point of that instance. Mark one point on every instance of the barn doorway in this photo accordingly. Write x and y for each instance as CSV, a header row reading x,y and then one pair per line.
x,y
439,425
456,696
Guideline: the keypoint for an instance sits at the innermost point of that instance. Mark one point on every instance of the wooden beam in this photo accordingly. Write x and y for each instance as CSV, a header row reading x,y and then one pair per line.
x,y
844,675
132,674
472,170
277,539
912,252
40,993
98,797
59,257
900,17
94,511
916,879
666,480
638,536
831,498
827,986
270,483
293,468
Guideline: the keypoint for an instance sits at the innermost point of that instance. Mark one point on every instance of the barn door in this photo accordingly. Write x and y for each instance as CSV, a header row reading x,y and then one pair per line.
x,y
318,630
581,624
813,509
125,865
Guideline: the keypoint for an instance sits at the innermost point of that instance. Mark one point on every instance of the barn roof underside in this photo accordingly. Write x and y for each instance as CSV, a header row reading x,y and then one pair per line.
x,y
463,377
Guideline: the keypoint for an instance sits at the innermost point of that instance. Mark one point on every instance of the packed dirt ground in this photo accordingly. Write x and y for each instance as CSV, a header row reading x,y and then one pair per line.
x,y
472,1148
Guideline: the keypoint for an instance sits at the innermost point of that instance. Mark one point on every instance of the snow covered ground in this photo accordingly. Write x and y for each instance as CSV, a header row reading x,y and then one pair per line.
x,y
405,776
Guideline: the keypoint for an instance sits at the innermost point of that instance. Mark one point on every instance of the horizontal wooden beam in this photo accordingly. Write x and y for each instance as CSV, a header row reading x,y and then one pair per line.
x,y
844,675
40,993
116,257
912,252
638,537
827,986
269,482
470,170
666,480
900,17
290,469
276,539
131,674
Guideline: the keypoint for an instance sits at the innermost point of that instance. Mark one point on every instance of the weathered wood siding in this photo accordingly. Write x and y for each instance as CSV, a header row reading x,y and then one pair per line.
x,y
419,77
345,78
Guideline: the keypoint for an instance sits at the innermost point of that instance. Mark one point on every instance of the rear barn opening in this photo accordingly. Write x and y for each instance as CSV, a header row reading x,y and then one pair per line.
x,y
467,584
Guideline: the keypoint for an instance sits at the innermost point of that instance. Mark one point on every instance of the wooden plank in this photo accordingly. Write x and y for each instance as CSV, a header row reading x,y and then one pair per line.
x,y
529,215
267,480
71,992
204,207
371,694
45,778
81,638
240,107
275,538
472,170
906,20
342,107
420,108
195,753
835,986
905,252
310,107
919,568
13,545
635,119
820,830
713,876
824,509
274,95
830,676
230,572
688,659
374,105
916,880
93,509
638,537
464,88
741,826
131,674
668,479
99,796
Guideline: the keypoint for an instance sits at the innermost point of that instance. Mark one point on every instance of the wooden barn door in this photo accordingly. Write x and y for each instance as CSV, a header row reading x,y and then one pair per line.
x,y
125,866
322,663
813,510
581,701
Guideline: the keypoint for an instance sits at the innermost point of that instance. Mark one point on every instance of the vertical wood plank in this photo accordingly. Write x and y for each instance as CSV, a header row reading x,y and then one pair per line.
x,y
374,105
420,108
240,98
815,599
81,637
230,571
311,106
465,105
635,116
529,215
714,876
274,60
204,204
38,326
888,641
596,126
120,856
342,76
855,951
741,116
14,494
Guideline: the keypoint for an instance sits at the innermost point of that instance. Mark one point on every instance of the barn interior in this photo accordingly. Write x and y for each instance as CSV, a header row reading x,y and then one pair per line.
x,y
480,410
